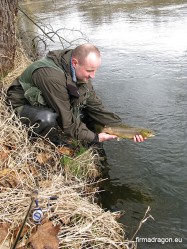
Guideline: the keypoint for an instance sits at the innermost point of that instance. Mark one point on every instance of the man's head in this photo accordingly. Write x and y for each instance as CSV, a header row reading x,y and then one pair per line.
x,y
86,60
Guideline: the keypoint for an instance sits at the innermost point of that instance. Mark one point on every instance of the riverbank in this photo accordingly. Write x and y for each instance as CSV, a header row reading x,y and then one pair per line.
x,y
65,187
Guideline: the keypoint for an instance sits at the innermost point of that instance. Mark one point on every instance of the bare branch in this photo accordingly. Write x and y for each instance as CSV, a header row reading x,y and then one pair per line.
x,y
146,216
35,23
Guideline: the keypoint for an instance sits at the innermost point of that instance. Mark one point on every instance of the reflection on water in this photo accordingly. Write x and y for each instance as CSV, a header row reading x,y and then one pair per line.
x,y
118,191
143,79
142,24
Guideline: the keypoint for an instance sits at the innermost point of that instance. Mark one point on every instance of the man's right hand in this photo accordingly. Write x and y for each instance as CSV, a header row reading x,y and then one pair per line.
x,y
104,137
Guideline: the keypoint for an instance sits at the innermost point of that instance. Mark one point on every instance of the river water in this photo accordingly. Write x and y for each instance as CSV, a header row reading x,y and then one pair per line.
x,y
143,78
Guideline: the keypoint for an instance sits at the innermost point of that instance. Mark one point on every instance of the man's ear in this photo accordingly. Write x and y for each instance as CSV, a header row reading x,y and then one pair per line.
x,y
74,62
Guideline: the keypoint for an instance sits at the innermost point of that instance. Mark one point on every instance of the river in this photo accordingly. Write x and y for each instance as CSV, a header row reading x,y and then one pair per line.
x,y
143,78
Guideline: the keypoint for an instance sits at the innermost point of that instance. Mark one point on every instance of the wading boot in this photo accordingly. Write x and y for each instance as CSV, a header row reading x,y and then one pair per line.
x,y
43,122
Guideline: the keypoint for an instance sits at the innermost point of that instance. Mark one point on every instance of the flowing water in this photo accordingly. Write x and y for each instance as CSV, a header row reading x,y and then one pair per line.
x,y
143,78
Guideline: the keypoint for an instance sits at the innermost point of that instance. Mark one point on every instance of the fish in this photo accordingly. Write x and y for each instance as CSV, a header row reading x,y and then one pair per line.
x,y
124,131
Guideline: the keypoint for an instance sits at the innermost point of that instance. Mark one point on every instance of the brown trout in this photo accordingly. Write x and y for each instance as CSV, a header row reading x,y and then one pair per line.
x,y
123,131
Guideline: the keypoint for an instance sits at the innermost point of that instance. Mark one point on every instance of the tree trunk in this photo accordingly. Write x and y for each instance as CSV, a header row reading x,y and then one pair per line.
x,y
8,12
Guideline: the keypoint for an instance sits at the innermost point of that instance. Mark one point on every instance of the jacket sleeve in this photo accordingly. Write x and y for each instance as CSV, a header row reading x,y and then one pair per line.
x,y
52,84
99,113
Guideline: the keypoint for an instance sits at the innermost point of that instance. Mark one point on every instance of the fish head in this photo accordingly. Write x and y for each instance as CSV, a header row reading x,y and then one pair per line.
x,y
147,133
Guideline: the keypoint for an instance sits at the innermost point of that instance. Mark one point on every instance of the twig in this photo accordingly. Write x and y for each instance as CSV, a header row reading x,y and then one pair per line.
x,y
146,216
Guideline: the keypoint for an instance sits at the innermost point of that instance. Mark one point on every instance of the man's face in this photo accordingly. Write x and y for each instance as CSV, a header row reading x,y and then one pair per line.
x,y
86,69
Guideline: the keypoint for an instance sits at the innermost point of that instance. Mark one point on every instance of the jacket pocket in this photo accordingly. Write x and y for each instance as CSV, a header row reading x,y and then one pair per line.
x,y
34,96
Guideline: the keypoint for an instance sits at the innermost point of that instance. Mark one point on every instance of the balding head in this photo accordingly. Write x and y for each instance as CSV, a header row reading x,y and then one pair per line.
x,y
86,60
81,52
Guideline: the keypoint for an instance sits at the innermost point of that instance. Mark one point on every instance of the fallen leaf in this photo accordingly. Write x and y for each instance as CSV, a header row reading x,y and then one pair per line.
x,y
4,154
45,237
43,157
24,231
3,231
65,151
8,178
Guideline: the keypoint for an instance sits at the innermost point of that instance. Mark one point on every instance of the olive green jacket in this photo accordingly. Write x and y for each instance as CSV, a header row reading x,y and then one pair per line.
x,y
55,89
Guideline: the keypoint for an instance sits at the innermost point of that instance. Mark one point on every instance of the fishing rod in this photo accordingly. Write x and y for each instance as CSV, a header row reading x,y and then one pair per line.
x,y
33,199
37,214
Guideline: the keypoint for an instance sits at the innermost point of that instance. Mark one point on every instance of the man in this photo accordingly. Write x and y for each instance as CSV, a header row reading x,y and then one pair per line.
x,y
57,91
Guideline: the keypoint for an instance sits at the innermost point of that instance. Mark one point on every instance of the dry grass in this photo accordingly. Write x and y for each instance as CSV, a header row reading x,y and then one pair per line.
x,y
27,166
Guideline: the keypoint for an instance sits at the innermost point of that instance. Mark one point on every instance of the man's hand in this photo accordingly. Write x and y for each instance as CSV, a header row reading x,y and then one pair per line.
x,y
104,137
139,138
